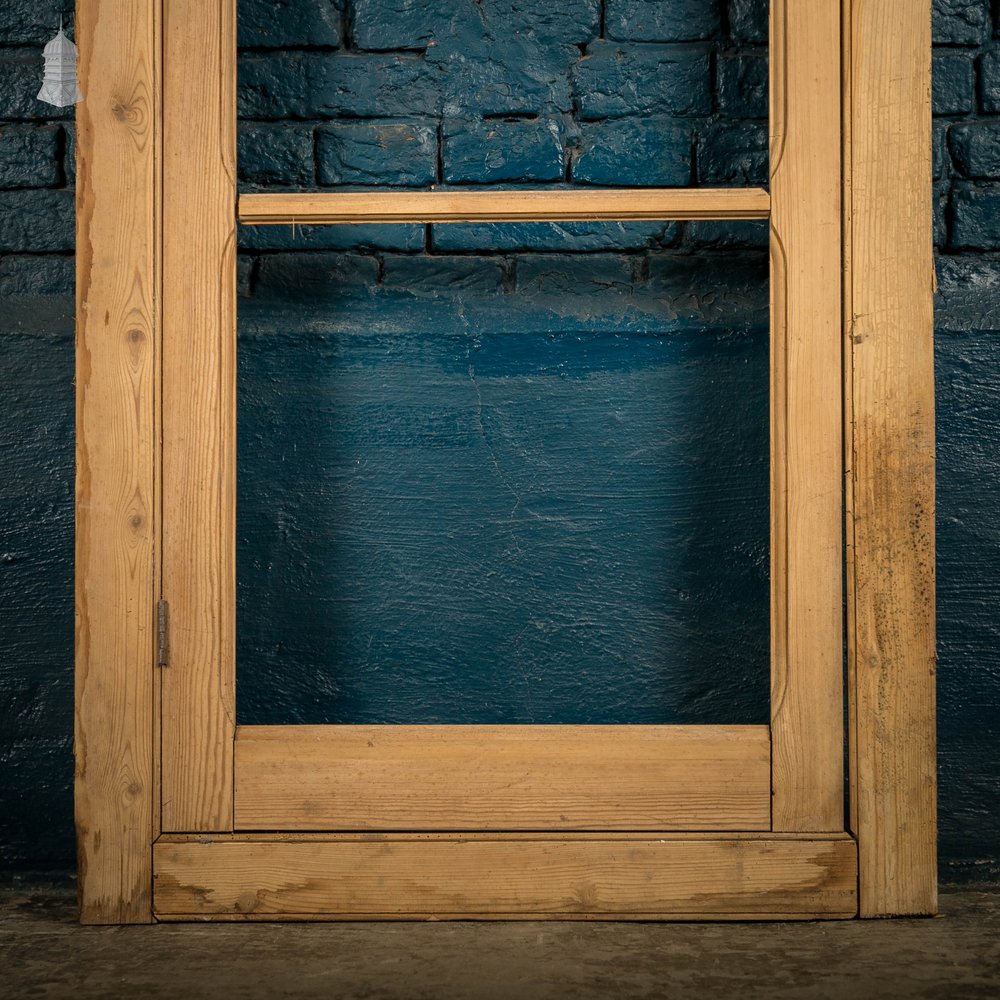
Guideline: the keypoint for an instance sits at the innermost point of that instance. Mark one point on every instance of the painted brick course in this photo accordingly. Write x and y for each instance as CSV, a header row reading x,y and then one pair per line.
x,y
395,154
748,21
280,155
38,221
290,23
635,152
975,148
655,21
29,156
961,22
989,68
614,80
742,85
976,217
953,91
25,22
20,78
513,151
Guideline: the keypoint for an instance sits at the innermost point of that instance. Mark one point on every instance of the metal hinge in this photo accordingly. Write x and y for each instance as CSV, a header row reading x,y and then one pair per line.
x,y
162,633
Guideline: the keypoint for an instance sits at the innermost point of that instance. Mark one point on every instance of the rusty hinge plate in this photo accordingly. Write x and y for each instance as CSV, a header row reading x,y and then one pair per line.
x,y
162,633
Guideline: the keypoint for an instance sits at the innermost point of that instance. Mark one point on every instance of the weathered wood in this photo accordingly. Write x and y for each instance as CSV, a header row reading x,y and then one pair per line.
x,y
672,917
116,362
890,377
807,423
509,836
503,778
199,412
556,876
617,205
847,348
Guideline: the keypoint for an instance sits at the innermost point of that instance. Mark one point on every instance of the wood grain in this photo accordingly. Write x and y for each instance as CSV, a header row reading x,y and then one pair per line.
x,y
563,877
503,778
617,205
846,41
672,917
891,384
807,423
199,418
508,836
116,344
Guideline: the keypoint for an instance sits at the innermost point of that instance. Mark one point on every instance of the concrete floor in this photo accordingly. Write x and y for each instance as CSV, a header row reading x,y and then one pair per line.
x,y
45,953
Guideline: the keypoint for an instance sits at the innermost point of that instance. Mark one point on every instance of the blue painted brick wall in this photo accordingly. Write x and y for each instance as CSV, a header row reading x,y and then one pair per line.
x,y
592,92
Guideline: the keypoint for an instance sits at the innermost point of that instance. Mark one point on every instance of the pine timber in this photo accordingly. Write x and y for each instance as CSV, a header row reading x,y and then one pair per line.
x,y
560,876
503,778
568,205
199,413
889,377
117,342
807,688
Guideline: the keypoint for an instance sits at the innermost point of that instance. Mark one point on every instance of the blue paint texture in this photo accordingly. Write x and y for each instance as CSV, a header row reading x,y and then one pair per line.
x,y
503,472
468,497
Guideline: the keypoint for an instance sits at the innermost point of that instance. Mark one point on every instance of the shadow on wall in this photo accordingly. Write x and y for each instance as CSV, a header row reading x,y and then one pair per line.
x,y
465,504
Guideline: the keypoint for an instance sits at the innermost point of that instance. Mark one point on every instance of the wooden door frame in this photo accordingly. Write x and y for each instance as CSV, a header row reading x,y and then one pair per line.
x,y
809,864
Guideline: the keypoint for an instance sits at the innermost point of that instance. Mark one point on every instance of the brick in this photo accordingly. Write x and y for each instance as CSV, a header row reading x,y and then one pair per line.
x,y
406,238
961,22
556,22
37,221
733,154
244,270
712,287
36,275
275,154
748,21
573,274
940,203
20,79
442,275
483,152
552,236
397,24
306,277
616,80
989,71
398,154
69,153
415,24
27,22
976,148
503,73
968,292
940,149
661,20
28,156
953,82
743,86
653,151
976,217
324,85
727,234
288,24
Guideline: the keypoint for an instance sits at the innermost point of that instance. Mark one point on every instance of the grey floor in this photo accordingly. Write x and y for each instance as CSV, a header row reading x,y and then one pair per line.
x,y
45,953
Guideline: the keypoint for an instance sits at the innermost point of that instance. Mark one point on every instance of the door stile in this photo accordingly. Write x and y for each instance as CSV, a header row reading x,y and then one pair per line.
x,y
889,378
807,723
199,413
117,343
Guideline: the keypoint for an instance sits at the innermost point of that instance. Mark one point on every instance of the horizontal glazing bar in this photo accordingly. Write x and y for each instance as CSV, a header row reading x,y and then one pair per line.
x,y
564,205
